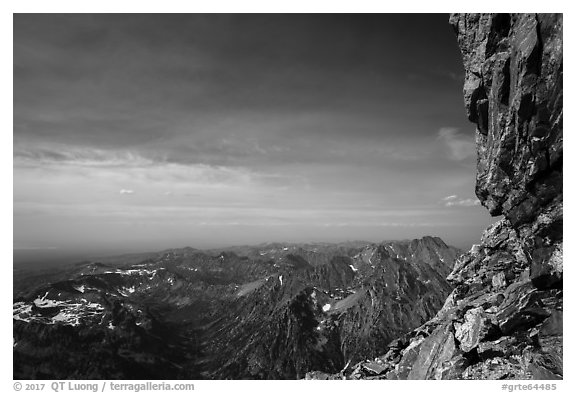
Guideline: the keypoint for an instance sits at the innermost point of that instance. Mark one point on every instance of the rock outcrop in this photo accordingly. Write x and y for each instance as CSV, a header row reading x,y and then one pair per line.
x,y
503,319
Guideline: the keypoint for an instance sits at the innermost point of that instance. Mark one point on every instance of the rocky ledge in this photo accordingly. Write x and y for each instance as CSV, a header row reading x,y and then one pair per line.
x,y
503,320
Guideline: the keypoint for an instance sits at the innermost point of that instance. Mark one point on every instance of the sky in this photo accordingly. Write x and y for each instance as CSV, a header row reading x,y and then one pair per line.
x,y
151,131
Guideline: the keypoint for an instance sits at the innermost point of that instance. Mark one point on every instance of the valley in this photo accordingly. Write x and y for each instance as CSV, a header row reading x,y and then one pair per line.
x,y
273,311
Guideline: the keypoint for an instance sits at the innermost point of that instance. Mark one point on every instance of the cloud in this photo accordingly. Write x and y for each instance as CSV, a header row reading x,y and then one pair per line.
x,y
269,141
58,154
452,75
460,146
453,200
464,202
132,166
125,191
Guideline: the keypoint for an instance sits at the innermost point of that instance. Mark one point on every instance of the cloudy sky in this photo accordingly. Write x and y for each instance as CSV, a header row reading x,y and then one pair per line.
x,y
142,132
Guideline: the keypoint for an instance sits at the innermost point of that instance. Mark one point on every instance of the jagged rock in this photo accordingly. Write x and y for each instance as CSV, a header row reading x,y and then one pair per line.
x,y
547,362
501,254
509,285
499,280
546,265
524,307
435,354
475,328
409,356
319,375
375,367
502,347
511,367
553,326
515,64
546,365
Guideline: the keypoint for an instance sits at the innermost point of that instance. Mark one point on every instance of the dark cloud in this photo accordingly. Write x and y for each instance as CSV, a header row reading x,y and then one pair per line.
x,y
321,102
128,76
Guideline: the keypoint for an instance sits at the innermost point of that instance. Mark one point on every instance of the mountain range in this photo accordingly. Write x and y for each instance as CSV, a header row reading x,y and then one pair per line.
x,y
414,309
273,311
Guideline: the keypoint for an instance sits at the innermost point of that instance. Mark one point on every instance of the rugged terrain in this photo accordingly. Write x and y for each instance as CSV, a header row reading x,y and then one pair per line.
x,y
284,310
260,312
503,320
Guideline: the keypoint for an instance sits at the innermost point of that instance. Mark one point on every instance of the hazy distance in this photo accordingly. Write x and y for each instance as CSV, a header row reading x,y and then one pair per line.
x,y
146,132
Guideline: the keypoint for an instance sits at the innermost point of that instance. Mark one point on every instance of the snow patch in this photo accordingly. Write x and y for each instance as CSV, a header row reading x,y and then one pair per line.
x,y
139,272
43,302
280,278
326,307
353,268
193,269
67,317
126,291
439,256
69,313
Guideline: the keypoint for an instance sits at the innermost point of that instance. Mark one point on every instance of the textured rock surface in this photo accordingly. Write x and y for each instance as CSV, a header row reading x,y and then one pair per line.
x,y
503,319
513,92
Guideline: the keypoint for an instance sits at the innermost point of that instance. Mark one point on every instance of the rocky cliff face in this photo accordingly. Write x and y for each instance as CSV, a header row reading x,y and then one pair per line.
x,y
513,92
503,320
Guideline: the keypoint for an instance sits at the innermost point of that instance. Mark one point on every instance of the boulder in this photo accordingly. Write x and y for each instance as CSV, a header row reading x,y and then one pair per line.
x,y
475,328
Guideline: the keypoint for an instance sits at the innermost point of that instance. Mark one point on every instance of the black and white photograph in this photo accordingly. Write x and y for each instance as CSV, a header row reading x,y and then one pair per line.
x,y
287,196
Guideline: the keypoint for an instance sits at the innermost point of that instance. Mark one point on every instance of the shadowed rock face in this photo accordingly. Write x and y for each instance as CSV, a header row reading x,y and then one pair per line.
x,y
513,92
503,319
